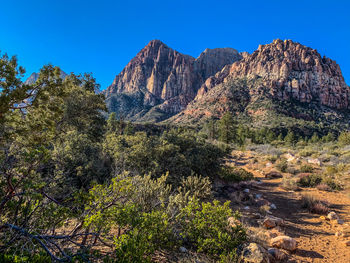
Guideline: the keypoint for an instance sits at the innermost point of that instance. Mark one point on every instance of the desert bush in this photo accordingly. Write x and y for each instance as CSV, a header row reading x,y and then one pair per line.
x,y
332,183
311,180
344,138
290,183
196,186
205,227
282,165
306,152
314,205
233,174
272,158
306,168
323,187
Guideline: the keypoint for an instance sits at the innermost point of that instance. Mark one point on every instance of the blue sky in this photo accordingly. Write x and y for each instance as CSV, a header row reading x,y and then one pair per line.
x,y
102,36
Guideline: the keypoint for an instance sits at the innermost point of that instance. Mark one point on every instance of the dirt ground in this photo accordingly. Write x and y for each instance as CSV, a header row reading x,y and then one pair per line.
x,y
316,237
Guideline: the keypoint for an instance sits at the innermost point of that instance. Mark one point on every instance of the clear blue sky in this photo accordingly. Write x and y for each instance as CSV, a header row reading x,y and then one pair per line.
x,y
102,36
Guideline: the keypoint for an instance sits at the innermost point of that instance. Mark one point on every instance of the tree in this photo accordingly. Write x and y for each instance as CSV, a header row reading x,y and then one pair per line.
x,y
290,138
51,131
226,128
314,138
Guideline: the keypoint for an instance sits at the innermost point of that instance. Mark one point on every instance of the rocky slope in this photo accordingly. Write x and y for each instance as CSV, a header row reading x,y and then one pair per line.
x,y
283,77
160,82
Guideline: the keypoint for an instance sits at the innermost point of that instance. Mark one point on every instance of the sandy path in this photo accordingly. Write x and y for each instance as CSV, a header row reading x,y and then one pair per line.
x,y
316,237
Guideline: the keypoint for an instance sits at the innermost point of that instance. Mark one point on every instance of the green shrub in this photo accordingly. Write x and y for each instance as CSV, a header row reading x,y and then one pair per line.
x,y
233,174
311,180
152,231
332,183
205,227
272,158
282,165
306,153
306,168
289,183
344,138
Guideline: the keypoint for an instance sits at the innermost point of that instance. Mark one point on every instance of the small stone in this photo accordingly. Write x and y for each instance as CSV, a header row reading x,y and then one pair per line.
x,y
338,234
183,250
258,196
273,206
284,242
253,253
347,243
268,164
277,254
332,216
340,222
272,221
246,190
246,208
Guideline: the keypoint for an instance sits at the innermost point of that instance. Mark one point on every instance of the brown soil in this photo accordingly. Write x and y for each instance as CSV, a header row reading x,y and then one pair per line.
x,y
316,237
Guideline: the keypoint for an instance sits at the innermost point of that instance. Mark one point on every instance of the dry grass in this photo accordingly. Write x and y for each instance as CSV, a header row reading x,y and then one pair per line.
x,y
314,205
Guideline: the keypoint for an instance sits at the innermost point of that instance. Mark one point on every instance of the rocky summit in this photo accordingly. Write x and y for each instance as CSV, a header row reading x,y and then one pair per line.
x,y
160,82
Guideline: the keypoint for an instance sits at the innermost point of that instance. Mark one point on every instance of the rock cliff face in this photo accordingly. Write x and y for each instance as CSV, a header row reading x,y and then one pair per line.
x,y
283,71
160,81
292,72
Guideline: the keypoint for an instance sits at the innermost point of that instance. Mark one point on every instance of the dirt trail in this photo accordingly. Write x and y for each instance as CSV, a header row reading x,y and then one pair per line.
x,y
316,237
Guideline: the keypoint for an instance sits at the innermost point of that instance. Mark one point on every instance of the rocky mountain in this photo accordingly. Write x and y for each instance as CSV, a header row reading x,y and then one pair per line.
x,y
159,82
283,78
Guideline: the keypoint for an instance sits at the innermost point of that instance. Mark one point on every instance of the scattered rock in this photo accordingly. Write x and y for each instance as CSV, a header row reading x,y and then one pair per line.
x,y
277,254
273,206
340,222
268,164
284,242
314,161
347,243
246,190
253,253
246,208
290,157
332,216
272,221
183,250
339,234
262,202
273,174
258,196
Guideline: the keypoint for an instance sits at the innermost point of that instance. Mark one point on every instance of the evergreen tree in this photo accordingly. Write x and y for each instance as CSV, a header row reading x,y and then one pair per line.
x,y
226,128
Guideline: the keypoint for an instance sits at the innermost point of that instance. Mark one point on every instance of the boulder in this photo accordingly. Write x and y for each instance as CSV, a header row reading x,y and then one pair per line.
x,y
284,242
253,253
332,216
273,174
290,157
272,221
314,161
277,254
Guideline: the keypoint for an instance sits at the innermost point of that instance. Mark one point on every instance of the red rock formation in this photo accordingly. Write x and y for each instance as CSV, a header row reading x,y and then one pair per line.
x,y
166,78
290,71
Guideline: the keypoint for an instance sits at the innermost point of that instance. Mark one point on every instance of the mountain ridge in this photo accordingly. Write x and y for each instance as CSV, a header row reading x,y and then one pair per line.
x,y
161,80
